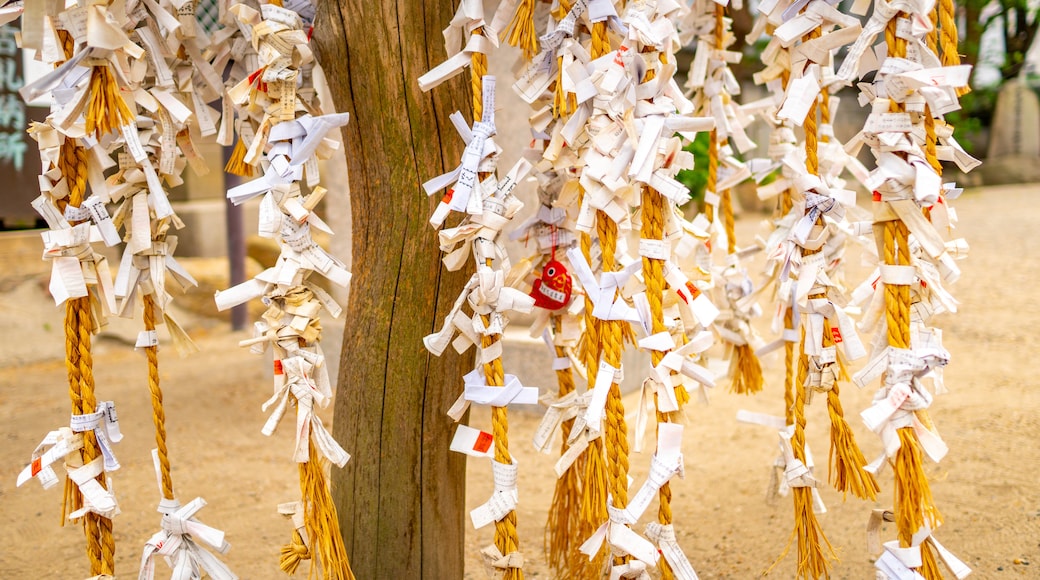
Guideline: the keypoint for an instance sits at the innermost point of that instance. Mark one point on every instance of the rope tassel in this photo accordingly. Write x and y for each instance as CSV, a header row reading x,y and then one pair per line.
x,y
747,373
236,164
520,32
107,111
320,521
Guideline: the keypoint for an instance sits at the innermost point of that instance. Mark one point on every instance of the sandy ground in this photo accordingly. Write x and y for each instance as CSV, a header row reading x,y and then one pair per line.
x,y
986,488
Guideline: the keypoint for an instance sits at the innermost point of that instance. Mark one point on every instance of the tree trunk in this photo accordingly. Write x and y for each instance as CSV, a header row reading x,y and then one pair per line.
x,y
974,27
401,498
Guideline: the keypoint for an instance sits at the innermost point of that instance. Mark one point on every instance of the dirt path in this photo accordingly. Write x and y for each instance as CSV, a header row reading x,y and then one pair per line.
x,y
987,487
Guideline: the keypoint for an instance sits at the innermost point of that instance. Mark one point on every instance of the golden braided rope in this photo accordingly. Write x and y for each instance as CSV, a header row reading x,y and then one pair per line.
x,y
106,111
713,138
506,538
158,413
593,506
786,205
563,103
600,40
593,510
653,206
913,497
789,369
812,560
79,362
846,465
564,527
747,372
825,112
930,141
67,163
949,53
611,339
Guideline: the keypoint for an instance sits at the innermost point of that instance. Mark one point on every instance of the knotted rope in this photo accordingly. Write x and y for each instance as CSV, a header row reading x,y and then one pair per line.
x,y
913,493
506,538
79,364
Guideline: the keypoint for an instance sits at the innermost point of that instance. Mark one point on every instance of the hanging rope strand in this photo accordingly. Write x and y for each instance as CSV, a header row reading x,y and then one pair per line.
x,y
812,560
158,413
506,537
80,369
913,494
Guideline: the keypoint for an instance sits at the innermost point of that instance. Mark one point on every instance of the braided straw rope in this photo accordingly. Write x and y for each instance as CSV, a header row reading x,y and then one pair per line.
x,y
506,538
812,560
786,205
713,138
611,340
913,496
563,527
747,376
79,364
593,505
563,103
653,274
653,207
948,40
158,414
320,519
929,121
846,465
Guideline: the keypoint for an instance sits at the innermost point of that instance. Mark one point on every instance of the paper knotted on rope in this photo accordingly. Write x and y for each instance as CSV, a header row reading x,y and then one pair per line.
x,y
897,563
468,18
178,543
503,499
608,304
815,314
665,464
606,378
93,210
495,564
669,374
663,535
480,151
499,207
105,424
96,498
75,265
896,404
476,390
558,410
797,473
487,294
309,427
621,540
55,446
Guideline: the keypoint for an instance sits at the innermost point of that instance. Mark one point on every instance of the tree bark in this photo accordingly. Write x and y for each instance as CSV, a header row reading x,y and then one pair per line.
x,y
401,498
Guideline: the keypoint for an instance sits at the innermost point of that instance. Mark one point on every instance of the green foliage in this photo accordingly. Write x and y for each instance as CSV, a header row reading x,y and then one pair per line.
x,y
975,114
696,179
